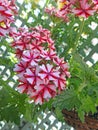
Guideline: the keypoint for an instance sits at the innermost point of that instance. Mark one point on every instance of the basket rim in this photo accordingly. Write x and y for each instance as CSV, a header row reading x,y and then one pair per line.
x,y
71,118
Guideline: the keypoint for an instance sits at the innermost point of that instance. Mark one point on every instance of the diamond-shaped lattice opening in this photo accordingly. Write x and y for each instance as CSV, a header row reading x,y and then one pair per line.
x,y
95,57
94,41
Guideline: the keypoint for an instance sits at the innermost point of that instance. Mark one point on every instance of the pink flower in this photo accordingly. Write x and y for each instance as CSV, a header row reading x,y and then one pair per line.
x,y
7,9
24,86
61,14
36,45
51,44
32,76
50,11
63,65
59,61
95,1
31,56
43,92
48,55
61,82
95,5
20,68
43,31
48,72
41,34
22,42
84,9
19,45
81,8
3,31
38,99
19,53
46,89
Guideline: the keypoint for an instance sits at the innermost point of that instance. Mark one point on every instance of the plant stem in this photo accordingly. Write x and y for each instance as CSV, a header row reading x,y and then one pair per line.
x,y
76,43
46,3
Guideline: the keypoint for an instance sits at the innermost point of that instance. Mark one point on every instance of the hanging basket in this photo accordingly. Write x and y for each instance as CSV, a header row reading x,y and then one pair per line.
x,y
71,118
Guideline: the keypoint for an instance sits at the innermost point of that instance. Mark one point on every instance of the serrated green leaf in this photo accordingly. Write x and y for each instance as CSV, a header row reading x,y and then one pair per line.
x,y
28,113
68,100
88,105
10,113
81,115
59,114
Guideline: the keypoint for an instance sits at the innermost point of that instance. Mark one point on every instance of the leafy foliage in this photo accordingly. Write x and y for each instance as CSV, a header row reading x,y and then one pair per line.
x,y
83,88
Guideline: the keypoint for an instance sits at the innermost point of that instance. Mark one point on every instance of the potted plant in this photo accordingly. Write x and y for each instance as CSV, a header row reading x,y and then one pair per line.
x,y
54,66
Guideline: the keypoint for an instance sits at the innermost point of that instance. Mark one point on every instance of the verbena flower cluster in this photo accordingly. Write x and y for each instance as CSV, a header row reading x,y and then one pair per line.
x,y
42,74
7,11
80,8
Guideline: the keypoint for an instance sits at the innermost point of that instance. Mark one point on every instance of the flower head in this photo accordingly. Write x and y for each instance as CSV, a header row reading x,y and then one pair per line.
x,y
83,8
42,73
80,8
7,10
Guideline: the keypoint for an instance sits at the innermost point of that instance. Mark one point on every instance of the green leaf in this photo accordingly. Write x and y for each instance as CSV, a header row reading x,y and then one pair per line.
x,y
28,113
68,99
81,115
10,113
88,105
59,114
12,105
47,105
